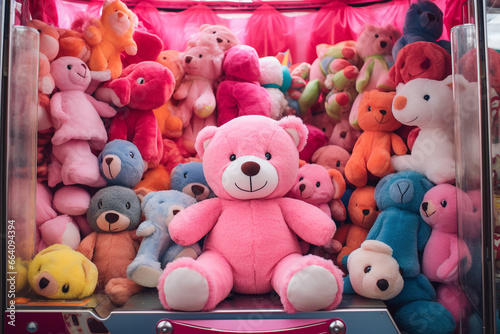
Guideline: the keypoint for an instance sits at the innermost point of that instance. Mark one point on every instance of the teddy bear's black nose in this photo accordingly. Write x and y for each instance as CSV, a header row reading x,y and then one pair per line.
x,y
219,40
431,17
425,64
250,168
382,284
302,187
366,212
109,161
43,283
111,217
197,190
188,59
425,205
343,134
382,111
383,44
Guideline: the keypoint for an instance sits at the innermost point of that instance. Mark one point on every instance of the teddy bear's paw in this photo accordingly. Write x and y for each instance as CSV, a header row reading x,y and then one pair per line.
x,y
401,162
202,110
432,318
147,276
186,290
120,289
312,288
356,174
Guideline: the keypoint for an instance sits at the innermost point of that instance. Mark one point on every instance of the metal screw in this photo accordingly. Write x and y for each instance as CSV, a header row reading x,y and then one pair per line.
x,y
337,327
164,327
32,327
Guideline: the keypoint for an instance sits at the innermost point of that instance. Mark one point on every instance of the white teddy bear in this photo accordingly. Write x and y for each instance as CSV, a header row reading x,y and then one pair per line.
x,y
271,78
373,272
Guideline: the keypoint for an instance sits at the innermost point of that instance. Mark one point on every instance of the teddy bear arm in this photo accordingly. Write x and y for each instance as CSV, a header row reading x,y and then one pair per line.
x,y
194,222
56,109
45,81
424,232
118,129
252,100
374,232
338,210
87,245
182,91
398,145
364,75
145,228
307,221
102,108
130,47
145,136
204,105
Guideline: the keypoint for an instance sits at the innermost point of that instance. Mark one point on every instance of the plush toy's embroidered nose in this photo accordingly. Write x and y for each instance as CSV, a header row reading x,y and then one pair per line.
x,y
302,187
425,205
197,190
382,111
250,168
219,40
109,161
43,283
382,284
188,59
431,17
366,212
112,218
383,44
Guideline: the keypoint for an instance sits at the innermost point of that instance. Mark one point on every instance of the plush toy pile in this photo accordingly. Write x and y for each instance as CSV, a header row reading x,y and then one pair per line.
x,y
213,169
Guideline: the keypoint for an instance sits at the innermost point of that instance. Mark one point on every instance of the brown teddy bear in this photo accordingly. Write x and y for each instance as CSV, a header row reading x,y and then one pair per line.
x,y
372,151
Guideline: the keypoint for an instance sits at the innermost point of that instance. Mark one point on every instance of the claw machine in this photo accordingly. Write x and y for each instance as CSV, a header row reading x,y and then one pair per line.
x,y
301,25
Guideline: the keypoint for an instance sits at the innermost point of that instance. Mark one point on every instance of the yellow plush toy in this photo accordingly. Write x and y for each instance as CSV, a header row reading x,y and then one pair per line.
x,y
111,35
59,272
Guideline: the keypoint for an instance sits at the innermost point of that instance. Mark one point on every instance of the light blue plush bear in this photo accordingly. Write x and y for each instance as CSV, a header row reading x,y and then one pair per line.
x,y
121,164
157,248
190,179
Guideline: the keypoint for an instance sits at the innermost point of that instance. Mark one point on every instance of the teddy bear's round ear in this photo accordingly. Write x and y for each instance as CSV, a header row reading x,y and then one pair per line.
x,y
338,182
376,246
204,138
296,129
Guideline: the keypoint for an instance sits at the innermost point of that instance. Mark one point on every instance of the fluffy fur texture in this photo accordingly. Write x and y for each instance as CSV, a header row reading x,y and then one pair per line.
x,y
216,34
341,81
121,164
331,157
114,214
372,151
59,272
272,79
425,60
189,179
423,22
320,187
142,88
157,248
240,92
78,126
110,36
154,179
72,44
426,103
266,256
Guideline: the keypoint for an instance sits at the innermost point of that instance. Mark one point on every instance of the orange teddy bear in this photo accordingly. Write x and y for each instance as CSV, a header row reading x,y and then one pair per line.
x,y
363,212
111,35
372,151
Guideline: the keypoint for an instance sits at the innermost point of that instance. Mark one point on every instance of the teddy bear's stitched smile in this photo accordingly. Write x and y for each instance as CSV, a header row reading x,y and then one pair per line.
x,y
250,191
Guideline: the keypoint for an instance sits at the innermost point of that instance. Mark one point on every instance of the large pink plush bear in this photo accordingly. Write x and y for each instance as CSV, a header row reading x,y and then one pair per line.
x,y
240,92
76,117
250,163
203,66
445,251
141,88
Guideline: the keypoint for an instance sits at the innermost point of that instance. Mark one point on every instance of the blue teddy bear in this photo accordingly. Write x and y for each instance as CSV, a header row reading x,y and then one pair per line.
x,y
157,248
400,226
121,164
423,22
190,179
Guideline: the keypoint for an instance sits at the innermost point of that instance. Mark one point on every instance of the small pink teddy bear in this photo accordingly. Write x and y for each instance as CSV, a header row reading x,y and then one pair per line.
x,y
76,117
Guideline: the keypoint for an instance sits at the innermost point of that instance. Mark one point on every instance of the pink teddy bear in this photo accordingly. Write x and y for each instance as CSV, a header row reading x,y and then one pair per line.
x,y
76,117
444,250
320,187
203,66
250,163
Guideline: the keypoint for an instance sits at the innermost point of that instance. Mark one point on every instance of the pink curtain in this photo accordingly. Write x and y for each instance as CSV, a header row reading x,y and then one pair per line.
x,y
268,30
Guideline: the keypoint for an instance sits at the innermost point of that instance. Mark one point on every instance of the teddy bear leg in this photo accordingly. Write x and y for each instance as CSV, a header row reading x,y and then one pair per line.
x,y
79,165
424,317
194,285
454,300
120,289
176,251
307,283
115,65
97,61
356,173
144,270
402,162
379,163
441,171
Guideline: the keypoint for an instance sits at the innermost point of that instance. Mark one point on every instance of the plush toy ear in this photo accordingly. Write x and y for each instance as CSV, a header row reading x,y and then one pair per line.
x,y
395,32
296,129
204,138
141,194
90,271
106,3
302,163
338,183
377,246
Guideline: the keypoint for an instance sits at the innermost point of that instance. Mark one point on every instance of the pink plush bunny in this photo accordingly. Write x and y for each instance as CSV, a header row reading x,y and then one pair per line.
x,y
445,250
76,117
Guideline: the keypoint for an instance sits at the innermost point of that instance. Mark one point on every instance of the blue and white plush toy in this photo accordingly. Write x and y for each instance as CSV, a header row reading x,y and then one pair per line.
x,y
189,179
400,226
157,248
121,164
423,23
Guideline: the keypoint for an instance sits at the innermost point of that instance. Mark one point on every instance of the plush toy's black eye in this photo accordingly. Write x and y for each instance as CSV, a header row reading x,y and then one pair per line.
x,y
232,157
444,203
474,209
165,58
390,37
214,32
131,154
318,184
376,35
368,269
369,108
301,178
140,80
161,202
427,97
127,205
338,163
99,204
323,129
65,288
40,31
201,56
69,67
40,269
268,156
185,175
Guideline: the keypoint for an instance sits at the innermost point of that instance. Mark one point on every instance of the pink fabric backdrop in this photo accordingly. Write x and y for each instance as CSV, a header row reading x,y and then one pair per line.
x,y
268,30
